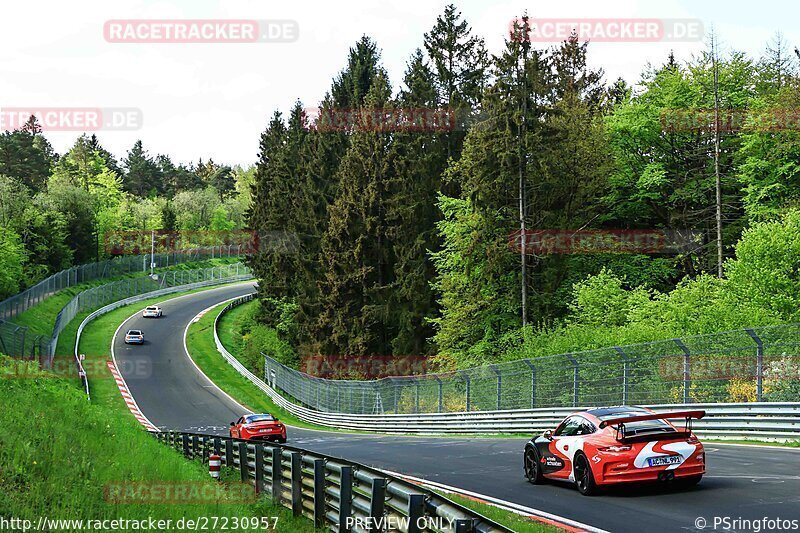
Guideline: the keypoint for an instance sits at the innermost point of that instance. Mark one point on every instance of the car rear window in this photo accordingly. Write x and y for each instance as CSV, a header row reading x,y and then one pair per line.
x,y
151,308
259,418
134,332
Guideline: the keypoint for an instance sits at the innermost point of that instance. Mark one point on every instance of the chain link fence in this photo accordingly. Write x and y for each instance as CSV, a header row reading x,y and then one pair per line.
x,y
749,365
110,268
15,341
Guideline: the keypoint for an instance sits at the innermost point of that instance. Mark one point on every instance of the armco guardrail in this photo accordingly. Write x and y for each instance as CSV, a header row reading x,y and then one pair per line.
x,y
138,298
334,493
778,421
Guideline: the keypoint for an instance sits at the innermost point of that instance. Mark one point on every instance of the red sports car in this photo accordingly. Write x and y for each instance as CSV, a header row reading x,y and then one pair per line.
x,y
611,445
258,427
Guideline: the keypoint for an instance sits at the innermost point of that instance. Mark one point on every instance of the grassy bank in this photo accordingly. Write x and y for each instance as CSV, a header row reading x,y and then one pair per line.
x,y
200,342
73,455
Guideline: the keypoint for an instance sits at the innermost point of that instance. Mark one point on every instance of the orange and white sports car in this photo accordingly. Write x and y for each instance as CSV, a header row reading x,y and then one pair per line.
x,y
612,445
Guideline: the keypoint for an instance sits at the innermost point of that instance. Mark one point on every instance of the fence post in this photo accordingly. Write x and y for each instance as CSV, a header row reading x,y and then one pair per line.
x,y
575,378
297,483
499,383
416,394
439,381
345,497
622,354
228,452
319,492
687,376
530,365
185,439
759,364
466,379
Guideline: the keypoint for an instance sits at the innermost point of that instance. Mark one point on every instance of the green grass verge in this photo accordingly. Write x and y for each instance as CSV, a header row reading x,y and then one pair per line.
x,y
515,522
200,342
64,458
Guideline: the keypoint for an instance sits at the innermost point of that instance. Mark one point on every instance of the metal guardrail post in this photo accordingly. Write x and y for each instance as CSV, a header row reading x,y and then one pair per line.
x,y
499,384
297,483
216,446
687,376
467,381
530,365
185,439
416,510
463,526
275,482
259,467
575,378
319,492
195,445
377,499
228,452
625,359
243,469
345,497
759,364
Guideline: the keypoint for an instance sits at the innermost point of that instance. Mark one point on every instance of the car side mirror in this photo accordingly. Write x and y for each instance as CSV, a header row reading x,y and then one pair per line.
x,y
233,423
548,434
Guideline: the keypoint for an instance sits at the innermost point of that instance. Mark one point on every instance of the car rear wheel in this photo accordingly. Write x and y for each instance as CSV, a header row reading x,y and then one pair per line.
x,y
533,471
584,478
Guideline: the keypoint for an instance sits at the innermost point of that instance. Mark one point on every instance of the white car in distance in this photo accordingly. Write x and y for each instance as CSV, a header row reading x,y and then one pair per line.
x,y
151,311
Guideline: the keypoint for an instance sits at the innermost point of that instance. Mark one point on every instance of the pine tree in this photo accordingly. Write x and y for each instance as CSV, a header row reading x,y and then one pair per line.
x,y
355,251
142,174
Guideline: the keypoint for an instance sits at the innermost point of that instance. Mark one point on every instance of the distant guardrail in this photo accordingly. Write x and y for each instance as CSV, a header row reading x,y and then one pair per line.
x,y
336,494
778,421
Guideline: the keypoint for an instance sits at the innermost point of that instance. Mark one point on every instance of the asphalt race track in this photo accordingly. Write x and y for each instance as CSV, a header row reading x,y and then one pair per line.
x,y
742,481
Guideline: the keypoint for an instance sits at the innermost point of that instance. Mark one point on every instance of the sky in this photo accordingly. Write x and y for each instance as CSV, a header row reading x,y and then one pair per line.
x,y
201,100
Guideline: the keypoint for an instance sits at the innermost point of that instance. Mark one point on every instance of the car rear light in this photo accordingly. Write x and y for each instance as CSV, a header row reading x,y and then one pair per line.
x,y
615,448
693,440
701,458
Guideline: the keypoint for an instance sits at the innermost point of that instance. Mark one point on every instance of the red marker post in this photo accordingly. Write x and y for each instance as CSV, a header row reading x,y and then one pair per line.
x,y
214,462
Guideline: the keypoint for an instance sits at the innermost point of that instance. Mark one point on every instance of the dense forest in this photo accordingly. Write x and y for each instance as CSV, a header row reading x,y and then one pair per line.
x,y
404,232
404,237
57,211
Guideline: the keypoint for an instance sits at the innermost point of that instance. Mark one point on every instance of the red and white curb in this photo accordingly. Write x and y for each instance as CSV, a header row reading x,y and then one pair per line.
x,y
129,401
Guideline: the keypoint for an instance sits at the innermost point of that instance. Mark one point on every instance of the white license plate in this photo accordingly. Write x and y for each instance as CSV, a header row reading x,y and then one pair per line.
x,y
665,460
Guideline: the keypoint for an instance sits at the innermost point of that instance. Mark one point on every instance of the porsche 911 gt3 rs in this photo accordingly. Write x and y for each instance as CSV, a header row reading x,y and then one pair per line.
x,y
613,445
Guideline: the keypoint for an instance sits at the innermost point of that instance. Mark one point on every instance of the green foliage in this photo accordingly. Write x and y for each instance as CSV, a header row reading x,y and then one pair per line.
x,y
12,257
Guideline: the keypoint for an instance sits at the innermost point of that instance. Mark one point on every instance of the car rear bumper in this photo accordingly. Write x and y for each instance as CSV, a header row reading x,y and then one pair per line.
x,y
642,475
134,341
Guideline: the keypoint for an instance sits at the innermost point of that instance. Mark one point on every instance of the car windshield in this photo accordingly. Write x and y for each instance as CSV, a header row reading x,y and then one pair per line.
x,y
258,418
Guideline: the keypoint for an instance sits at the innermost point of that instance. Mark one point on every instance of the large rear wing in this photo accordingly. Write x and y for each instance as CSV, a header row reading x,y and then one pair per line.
x,y
688,415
